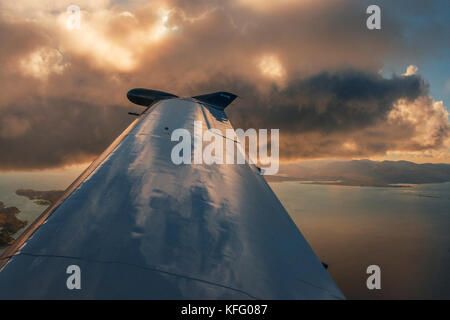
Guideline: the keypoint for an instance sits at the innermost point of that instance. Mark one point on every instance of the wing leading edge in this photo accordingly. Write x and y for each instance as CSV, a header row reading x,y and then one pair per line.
x,y
141,227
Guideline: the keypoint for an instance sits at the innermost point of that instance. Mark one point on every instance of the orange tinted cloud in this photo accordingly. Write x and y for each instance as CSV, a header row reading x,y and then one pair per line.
x,y
64,90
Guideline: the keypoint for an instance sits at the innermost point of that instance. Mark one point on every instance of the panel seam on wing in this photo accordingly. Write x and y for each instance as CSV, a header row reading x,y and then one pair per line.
x,y
154,269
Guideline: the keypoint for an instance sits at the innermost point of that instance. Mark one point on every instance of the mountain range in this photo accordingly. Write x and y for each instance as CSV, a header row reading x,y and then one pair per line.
x,y
363,172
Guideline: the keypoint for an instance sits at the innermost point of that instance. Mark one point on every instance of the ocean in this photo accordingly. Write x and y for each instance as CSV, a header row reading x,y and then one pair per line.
x,y
405,231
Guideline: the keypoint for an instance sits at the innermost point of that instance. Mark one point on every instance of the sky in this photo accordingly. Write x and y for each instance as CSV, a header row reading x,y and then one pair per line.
x,y
312,69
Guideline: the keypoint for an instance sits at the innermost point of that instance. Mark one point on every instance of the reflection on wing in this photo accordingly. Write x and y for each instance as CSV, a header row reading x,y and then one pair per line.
x,y
139,226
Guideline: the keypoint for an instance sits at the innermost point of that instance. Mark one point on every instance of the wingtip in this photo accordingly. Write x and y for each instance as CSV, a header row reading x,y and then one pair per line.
x,y
220,100
145,97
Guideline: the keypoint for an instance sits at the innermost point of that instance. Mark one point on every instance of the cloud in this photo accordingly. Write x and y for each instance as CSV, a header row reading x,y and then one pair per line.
x,y
57,132
306,67
332,102
426,117
13,127
346,114
412,69
43,62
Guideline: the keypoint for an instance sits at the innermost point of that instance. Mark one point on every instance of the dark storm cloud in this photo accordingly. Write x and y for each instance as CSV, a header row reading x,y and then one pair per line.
x,y
331,102
57,132
347,113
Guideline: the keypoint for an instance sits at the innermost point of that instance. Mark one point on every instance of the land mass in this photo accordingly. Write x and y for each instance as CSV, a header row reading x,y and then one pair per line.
x,y
44,198
9,224
363,173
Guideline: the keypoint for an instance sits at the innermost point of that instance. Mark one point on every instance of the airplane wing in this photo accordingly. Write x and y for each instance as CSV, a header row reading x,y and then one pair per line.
x,y
140,227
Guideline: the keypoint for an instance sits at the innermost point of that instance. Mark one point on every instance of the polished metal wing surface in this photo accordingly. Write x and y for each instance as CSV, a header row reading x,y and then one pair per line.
x,y
139,226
